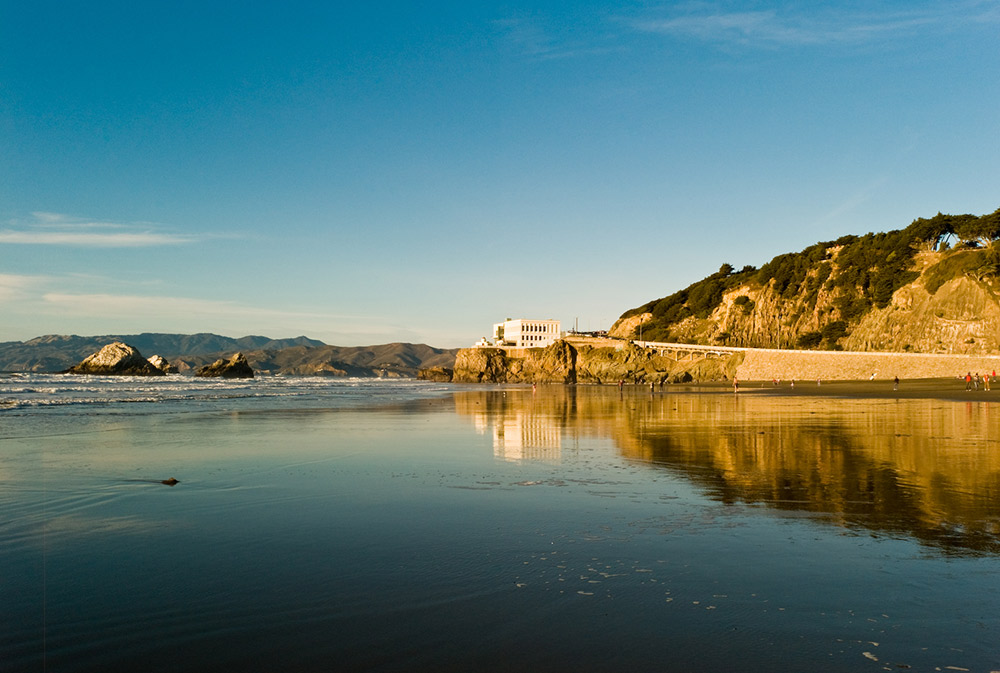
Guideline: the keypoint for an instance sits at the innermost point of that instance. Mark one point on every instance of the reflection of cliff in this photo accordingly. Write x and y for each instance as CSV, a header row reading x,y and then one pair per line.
x,y
921,468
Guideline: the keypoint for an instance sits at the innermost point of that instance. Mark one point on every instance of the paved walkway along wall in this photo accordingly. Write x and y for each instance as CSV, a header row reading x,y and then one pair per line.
x,y
766,364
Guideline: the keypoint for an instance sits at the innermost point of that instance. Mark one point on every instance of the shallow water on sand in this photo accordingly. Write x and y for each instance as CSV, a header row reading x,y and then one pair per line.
x,y
402,526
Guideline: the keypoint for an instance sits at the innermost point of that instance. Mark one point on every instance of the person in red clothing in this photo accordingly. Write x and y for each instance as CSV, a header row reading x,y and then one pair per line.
x,y
968,381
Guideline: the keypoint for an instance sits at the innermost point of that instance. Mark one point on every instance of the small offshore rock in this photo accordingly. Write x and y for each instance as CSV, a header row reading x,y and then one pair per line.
x,y
162,364
438,374
117,359
235,367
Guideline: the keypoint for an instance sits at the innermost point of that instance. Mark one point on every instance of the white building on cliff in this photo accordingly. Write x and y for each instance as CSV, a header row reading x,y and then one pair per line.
x,y
522,333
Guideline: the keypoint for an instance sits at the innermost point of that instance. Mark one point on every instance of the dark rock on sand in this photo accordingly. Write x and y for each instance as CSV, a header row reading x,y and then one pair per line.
x,y
235,367
116,359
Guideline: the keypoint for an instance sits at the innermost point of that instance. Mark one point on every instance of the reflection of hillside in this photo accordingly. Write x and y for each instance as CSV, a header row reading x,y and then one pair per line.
x,y
923,468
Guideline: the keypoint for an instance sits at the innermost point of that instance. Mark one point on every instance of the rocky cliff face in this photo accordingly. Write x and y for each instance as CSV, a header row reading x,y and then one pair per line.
x,y
948,307
563,362
118,359
554,364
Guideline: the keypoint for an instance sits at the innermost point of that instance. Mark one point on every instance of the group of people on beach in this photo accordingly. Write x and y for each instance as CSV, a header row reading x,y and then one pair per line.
x,y
973,381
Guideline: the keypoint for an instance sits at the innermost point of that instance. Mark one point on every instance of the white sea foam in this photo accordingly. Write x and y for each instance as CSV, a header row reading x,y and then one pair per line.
x,y
118,394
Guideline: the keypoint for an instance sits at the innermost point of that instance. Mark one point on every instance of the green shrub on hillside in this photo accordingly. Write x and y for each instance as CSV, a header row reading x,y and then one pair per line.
x,y
851,308
834,331
745,303
809,340
955,265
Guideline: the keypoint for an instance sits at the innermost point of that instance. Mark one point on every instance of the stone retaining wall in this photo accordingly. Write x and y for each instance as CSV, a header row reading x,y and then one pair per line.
x,y
764,365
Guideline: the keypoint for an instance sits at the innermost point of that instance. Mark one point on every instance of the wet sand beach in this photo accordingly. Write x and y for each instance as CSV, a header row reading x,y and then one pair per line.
x,y
932,388
400,527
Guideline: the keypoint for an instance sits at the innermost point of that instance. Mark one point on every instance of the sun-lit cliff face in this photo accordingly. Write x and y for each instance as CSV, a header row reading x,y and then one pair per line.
x,y
919,468
885,292
563,362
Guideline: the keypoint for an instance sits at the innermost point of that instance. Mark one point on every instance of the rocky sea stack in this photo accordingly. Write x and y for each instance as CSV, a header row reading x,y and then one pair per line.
x,y
235,367
161,363
118,359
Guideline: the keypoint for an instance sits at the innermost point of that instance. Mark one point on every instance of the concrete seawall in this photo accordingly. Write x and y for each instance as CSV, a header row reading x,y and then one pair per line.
x,y
762,364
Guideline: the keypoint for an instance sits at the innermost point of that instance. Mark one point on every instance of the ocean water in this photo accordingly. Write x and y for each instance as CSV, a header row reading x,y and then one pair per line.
x,y
377,525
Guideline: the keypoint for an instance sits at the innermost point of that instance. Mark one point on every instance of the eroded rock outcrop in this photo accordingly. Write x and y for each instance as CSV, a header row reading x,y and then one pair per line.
x,y
481,365
563,362
162,364
117,359
439,374
235,367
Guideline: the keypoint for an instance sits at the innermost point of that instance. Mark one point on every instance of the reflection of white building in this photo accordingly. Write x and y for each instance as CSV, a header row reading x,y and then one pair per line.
x,y
527,438
521,432
522,333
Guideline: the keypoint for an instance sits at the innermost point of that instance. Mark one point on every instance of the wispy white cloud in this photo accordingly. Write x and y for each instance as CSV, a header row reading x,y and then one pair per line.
x,y
57,229
92,240
14,286
787,27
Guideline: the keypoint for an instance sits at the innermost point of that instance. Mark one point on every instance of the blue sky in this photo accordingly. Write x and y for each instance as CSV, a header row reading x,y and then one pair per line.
x,y
370,172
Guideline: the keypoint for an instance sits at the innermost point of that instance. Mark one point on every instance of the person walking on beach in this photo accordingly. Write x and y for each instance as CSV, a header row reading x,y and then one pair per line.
x,y
895,383
986,381
968,381
736,385
977,380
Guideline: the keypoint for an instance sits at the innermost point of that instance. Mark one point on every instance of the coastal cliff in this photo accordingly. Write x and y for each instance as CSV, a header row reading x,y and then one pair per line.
x,y
907,290
563,362
554,364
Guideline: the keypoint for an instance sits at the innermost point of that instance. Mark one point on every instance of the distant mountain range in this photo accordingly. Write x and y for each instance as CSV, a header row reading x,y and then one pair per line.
x,y
297,356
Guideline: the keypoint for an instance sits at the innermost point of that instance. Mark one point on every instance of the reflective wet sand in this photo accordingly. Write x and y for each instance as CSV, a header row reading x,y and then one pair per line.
x,y
503,529
925,467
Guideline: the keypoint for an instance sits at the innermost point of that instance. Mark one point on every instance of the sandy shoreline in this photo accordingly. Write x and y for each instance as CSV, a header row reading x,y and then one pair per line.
x,y
952,389
932,388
